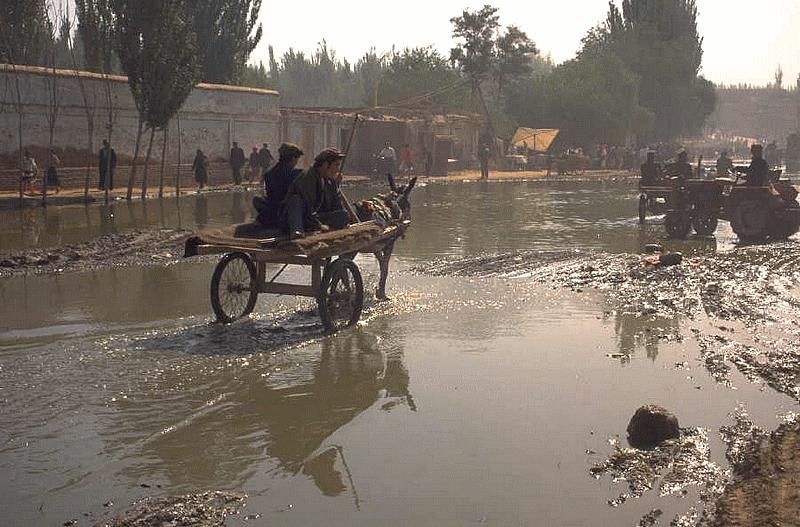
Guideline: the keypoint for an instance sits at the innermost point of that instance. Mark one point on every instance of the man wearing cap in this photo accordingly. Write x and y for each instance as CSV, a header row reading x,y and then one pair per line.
x,y
757,173
276,182
312,201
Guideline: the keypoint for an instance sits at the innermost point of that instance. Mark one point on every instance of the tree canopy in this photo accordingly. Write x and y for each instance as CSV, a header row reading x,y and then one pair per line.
x,y
26,32
658,41
96,27
484,53
227,32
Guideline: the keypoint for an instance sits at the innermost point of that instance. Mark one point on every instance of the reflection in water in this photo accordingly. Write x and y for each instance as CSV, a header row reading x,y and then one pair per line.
x,y
237,208
636,330
200,211
276,413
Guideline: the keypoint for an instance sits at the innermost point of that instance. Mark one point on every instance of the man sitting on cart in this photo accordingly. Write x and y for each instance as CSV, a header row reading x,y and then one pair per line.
x,y
312,201
276,183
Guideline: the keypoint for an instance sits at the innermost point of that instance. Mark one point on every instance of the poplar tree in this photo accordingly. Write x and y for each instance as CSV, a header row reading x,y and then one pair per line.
x,y
96,30
227,32
26,32
158,53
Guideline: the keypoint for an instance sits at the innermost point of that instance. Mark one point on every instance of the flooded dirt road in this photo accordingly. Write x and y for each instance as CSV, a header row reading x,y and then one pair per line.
x,y
494,388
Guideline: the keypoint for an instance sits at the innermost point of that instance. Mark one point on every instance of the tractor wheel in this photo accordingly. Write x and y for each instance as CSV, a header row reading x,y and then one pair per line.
x,y
705,223
677,224
749,219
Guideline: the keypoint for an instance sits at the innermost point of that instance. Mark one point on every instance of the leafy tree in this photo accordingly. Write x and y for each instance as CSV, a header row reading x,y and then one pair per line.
x,y
595,98
157,51
96,29
421,77
659,42
484,53
25,32
475,54
257,77
226,35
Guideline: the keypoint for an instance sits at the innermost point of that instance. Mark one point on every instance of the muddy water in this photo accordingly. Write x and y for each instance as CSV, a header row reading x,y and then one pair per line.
x,y
476,396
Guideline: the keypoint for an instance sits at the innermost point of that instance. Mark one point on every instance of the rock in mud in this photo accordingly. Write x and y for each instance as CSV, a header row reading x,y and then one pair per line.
x,y
650,425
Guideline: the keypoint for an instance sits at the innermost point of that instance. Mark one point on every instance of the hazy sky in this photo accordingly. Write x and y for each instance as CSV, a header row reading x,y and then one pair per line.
x,y
732,51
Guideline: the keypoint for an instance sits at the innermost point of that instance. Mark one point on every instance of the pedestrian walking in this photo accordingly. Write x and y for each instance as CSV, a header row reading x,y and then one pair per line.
x,y
28,169
52,171
200,168
106,165
237,161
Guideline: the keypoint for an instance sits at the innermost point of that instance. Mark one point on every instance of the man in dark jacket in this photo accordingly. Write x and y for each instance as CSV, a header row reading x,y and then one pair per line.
x,y
237,161
106,165
757,173
724,165
276,183
312,201
266,156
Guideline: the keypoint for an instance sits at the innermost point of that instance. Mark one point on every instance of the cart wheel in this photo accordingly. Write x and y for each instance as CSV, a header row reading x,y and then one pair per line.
x,y
677,224
705,223
749,219
642,208
234,287
341,295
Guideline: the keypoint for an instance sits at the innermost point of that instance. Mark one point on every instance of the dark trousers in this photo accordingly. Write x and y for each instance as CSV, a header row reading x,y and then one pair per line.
x,y
484,168
293,213
102,184
237,176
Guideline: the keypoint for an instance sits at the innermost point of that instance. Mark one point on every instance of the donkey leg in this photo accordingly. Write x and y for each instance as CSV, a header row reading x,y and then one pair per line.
x,y
383,260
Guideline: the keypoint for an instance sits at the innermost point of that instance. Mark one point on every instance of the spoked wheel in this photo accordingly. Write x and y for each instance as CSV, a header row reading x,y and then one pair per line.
x,y
234,287
749,220
341,295
642,208
705,223
677,224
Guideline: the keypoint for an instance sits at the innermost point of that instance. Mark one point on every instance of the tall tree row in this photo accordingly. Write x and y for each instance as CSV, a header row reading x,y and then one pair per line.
x,y
227,32
26,32
158,54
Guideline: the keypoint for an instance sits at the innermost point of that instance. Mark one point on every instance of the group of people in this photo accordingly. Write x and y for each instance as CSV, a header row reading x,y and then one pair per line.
x,y
29,171
387,159
296,200
257,163
757,173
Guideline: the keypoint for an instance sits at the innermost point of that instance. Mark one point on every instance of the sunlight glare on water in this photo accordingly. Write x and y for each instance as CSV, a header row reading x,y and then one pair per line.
x,y
467,399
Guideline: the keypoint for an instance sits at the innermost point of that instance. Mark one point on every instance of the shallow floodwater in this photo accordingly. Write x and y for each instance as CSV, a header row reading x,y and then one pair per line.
x,y
464,400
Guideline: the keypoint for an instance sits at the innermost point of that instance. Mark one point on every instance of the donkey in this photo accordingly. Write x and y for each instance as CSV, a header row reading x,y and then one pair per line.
x,y
384,208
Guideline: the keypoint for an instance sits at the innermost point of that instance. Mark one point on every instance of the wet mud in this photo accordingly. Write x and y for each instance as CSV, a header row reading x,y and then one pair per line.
x,y
742,310
135,247
740,307
208,509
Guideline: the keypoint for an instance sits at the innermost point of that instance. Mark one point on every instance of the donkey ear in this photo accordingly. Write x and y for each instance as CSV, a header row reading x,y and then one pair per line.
x,y
392,186
409,186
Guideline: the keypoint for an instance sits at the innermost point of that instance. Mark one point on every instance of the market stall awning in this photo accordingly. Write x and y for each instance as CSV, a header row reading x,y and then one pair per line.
x,y
536,139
